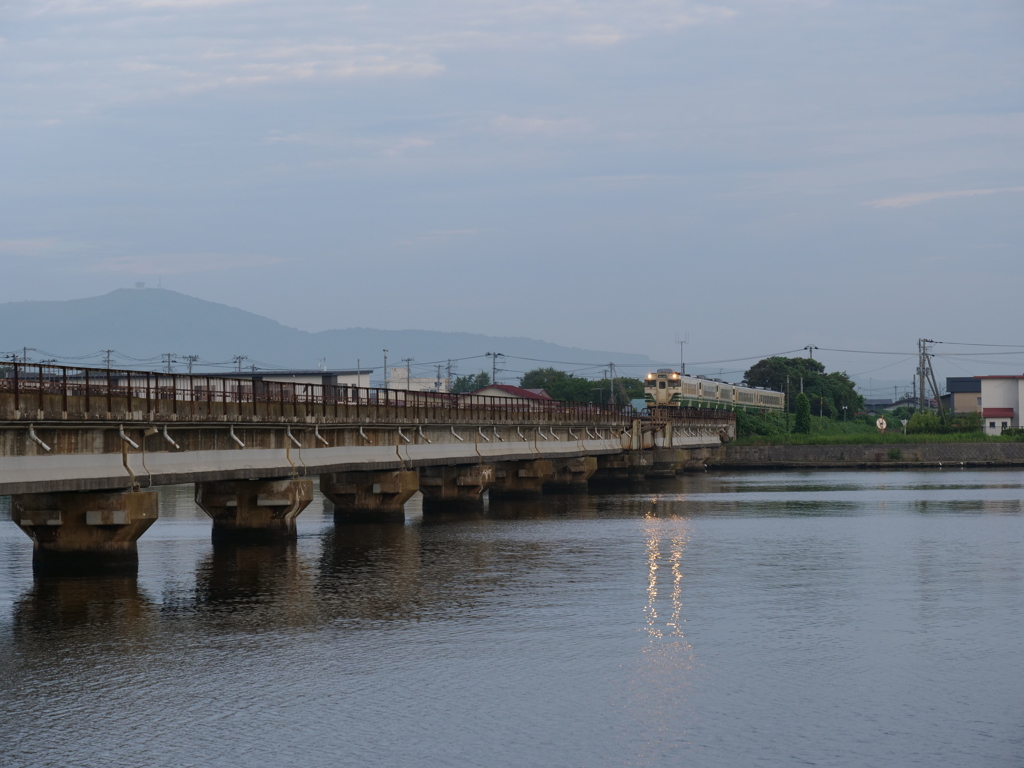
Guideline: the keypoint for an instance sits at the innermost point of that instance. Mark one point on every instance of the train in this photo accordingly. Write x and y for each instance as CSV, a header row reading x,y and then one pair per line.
x,y
666,388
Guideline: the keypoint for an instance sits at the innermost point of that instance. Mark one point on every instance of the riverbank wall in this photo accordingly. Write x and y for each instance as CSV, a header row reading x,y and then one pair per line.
x,y
874,456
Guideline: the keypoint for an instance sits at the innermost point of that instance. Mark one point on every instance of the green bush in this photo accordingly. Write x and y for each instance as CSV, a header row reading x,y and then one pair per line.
x,y
966,422
924,422
762,424
803,415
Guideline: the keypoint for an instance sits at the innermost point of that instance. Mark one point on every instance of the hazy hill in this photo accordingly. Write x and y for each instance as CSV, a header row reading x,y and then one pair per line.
x,y
148,322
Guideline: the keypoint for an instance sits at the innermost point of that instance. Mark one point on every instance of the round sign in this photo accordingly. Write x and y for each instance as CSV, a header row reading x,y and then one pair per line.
x,y
881,424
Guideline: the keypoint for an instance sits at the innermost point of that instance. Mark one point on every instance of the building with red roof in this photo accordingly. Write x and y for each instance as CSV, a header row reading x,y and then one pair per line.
x,y
1001,398
509,392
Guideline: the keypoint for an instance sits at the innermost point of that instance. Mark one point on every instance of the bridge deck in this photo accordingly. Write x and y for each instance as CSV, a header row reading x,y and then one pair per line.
x,y
65,429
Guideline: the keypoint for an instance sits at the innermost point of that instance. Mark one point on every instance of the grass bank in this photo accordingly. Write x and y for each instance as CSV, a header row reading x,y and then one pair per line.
x,y
824,431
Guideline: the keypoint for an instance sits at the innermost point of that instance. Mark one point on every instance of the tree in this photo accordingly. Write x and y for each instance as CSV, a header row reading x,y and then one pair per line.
x,y
576,389
829,392
772,372
470,383
803,414
924,422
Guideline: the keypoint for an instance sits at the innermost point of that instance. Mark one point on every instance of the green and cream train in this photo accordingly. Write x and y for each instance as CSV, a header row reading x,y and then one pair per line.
x,y
666,388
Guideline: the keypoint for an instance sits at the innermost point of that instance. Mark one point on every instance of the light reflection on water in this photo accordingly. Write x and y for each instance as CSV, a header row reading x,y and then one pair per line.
x,y
715,620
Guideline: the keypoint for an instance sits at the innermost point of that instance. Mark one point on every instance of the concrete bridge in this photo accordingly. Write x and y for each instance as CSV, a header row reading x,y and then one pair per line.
x,y
79,448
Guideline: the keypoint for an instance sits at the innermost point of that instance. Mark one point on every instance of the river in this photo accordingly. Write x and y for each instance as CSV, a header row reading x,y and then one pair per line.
x,y
754,619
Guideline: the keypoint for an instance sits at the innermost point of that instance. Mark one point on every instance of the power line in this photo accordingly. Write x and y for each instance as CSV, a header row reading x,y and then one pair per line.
x,y
969,344
977,354
890,365
866,352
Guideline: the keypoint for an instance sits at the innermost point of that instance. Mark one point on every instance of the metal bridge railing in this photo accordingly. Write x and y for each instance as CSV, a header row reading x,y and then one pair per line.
x,y
32,390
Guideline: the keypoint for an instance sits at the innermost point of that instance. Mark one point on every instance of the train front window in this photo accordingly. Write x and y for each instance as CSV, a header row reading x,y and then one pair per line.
x,y
661,385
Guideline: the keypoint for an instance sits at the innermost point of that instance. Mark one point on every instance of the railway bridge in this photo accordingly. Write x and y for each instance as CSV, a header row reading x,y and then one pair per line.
x,y
80,450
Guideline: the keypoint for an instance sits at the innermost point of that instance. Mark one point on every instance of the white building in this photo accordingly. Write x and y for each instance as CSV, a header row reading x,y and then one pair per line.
x,y
399,380
1001,398
351,378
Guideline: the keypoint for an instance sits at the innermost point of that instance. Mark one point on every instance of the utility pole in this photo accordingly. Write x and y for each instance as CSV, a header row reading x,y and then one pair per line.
x,y
810,351
611,383
191,359
169,358
108,357
385,369
437,383
238,362
448,372
494,365
921,374
787,403
681,342
926,375
408,371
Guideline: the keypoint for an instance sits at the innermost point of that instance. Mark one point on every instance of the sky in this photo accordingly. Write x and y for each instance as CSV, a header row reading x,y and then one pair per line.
x,y
753,175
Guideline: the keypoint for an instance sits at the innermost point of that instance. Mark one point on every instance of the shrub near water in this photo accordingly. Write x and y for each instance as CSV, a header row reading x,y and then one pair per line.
x,y
761,425
803,414
770,429
924,422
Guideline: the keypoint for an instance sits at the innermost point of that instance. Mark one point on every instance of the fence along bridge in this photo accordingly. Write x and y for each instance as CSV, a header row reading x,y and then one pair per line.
x,y
79,448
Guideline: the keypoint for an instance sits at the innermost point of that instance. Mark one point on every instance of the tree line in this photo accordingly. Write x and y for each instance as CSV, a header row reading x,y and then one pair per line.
x,y
563,386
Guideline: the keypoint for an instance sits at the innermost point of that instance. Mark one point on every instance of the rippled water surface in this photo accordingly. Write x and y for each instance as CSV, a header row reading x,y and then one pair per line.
x,y
830,619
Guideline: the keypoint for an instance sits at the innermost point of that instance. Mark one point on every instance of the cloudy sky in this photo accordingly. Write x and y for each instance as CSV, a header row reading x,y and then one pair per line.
x,y
762,174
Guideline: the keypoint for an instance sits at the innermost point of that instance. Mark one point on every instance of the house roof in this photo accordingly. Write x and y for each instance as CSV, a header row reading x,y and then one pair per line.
x,y
525,394
248,374
998,413
963,384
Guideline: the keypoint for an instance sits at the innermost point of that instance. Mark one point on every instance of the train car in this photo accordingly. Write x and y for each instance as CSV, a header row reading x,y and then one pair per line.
x,y
666,388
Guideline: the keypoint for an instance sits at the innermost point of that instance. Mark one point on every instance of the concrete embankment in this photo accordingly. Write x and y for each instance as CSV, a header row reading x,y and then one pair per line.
x,y
840,456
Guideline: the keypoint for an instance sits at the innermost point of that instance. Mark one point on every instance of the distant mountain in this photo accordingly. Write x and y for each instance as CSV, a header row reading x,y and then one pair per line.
x,y
146,323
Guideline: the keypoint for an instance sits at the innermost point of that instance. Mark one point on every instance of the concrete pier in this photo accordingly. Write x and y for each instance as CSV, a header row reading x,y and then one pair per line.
x,y
630,467
85,531
369,494
521,478
458,487
261,510
571,475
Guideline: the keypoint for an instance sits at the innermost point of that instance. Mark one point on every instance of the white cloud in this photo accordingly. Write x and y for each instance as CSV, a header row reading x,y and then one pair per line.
x,y
598,35
539,125
32,246
440,236
400,147
179,264
906,201
80,55
234,64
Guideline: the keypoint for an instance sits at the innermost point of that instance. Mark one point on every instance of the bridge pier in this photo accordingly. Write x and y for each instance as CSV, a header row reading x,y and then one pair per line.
x,y
667,462
378,495
521,478
254,509
461,486
629,467
571,475
85,532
